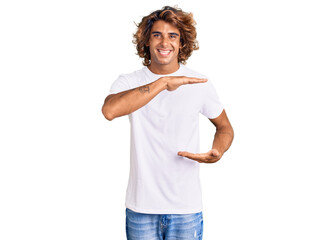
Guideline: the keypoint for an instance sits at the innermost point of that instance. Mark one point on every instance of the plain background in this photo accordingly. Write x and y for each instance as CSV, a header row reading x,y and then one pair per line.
x,y
64,168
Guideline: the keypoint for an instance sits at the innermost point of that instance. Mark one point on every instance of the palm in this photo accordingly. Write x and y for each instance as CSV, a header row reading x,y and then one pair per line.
x,y
209,157
176,81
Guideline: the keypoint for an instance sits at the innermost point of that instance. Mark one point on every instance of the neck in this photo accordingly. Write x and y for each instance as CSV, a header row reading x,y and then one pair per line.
x,y
163,69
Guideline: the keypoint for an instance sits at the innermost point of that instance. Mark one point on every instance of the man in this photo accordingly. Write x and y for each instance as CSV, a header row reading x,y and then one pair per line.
x,y
163,101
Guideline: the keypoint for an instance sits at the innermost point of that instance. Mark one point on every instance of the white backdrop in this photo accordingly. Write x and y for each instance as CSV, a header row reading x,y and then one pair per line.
x,y
64,168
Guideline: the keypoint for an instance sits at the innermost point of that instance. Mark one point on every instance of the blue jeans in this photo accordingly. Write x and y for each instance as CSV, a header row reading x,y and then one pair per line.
x,y
141,226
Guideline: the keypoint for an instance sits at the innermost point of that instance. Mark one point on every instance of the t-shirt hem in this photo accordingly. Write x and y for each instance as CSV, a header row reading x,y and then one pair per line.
x,y
164,211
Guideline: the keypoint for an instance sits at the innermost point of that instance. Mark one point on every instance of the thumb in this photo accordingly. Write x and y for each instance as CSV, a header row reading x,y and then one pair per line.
x,y
214,152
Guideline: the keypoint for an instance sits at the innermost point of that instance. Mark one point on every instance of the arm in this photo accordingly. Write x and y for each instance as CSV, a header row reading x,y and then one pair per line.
x,y
222,141
126,102
224,134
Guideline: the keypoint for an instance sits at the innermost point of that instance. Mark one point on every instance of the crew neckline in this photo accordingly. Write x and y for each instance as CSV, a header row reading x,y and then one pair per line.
x,y
162,75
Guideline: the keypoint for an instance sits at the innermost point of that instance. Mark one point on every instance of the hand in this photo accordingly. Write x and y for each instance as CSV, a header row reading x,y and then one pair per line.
x,y
210,157
173,82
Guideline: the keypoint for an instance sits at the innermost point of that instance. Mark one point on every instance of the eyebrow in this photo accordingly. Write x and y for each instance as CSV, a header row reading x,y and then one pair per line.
x,y
172,33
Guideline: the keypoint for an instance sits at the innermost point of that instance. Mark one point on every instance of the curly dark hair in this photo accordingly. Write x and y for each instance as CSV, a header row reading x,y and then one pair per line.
x,y
183,21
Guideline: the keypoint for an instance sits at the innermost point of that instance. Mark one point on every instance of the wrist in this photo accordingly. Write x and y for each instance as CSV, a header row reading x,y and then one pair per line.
x,y
164,82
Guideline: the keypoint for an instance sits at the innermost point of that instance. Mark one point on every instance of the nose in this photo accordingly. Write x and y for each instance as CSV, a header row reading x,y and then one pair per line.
x,y
165,41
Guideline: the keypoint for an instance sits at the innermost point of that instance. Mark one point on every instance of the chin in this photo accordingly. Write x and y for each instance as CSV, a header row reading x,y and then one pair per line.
x,y
163,62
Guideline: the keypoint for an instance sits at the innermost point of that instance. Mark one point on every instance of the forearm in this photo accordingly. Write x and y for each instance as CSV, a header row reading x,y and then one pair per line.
x,y
223,140
126,102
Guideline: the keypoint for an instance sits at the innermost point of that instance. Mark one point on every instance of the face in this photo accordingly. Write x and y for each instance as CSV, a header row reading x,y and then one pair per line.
x,y
164,45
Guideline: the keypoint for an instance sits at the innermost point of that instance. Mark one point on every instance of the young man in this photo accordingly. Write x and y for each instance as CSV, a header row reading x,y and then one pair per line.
x,y
163,101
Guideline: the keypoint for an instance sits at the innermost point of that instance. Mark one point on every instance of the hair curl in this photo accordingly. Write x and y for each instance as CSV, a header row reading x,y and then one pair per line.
x,y
183,21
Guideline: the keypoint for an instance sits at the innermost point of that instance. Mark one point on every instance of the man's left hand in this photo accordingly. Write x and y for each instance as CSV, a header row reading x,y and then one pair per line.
x,y
210,157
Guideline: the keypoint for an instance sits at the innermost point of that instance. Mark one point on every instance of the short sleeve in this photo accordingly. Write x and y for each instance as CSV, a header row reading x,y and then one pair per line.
x,y
211,105
119,85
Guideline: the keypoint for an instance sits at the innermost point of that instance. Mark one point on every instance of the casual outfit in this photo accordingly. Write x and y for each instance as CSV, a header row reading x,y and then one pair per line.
x,y
160,181
142,226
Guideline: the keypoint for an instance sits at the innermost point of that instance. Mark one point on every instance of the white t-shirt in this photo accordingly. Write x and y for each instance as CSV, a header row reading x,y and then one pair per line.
x,y
160,181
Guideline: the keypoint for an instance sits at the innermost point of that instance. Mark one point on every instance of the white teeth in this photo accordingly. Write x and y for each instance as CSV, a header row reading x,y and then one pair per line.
x,y
164,52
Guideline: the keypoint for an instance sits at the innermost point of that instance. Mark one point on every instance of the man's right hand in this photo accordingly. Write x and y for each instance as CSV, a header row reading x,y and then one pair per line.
x,y
126,102
173,82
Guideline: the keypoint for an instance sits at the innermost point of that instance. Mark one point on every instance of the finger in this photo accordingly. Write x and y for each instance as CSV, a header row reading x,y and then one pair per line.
x,y
197,80
184,154
189,156
209,157
193,156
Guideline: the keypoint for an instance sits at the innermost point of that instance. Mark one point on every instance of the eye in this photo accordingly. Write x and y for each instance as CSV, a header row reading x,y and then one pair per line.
x,y
156,35
173,36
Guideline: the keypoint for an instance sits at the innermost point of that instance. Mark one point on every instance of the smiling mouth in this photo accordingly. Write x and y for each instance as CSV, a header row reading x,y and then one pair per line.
x,y
164,52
